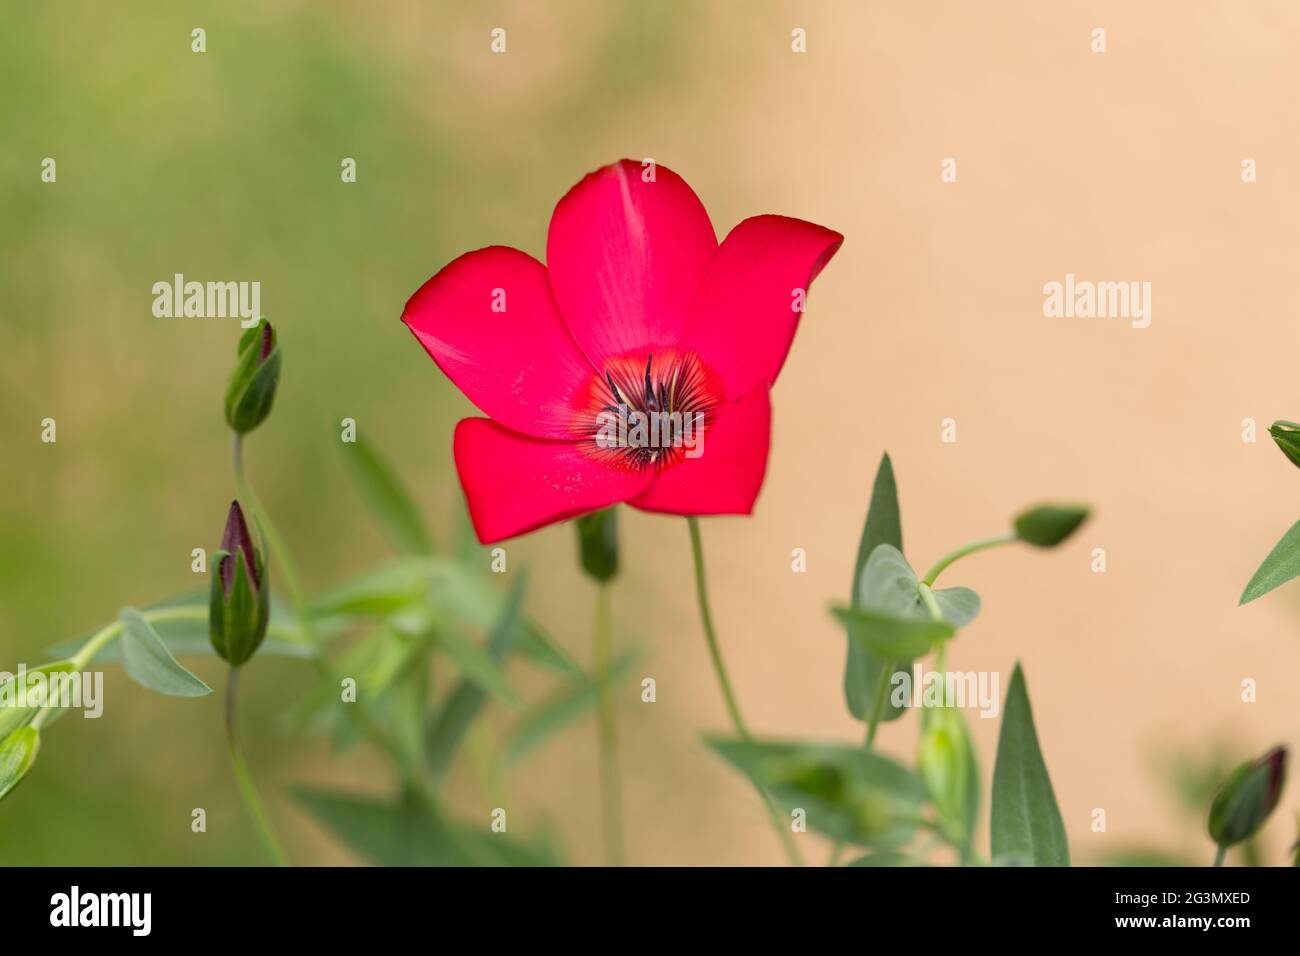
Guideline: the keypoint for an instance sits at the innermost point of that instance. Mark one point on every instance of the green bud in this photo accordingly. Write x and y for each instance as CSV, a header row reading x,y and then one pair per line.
x,y
252,384
1247,798
240,605
17,754
598,544
1048,525
1287,436
946,762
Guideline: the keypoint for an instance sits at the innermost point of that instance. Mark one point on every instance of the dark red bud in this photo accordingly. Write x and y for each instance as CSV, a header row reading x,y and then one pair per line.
x,y
235,539
266,343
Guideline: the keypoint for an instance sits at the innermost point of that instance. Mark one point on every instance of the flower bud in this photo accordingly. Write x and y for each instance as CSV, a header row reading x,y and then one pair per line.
x,y
252,384
240,605
1287,437
598,544
1247,797
1048,525
946,762
17,754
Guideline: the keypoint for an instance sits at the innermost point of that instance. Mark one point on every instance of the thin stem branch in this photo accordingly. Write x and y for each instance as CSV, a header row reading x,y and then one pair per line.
x,y
610,790
949,558
244,778
724,682
1220,856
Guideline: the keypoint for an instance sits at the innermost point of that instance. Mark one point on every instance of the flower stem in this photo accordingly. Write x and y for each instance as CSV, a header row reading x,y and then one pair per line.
x,y
610,792
724,682
952,556
252,802
1220,856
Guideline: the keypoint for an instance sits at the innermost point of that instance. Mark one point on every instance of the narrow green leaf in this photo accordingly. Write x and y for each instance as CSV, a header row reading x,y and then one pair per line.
x,y
148,661
17,708
849,794
883,525
466,699
17,754
884,858
475,664
1281,565
560,709
1026,826
409,831
388,500
185,631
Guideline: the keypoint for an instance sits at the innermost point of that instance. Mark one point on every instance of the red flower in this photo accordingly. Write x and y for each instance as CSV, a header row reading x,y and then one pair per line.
x,y
639,310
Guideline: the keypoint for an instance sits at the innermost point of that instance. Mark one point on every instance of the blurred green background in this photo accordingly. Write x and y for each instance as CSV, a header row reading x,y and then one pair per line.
x,y
226,165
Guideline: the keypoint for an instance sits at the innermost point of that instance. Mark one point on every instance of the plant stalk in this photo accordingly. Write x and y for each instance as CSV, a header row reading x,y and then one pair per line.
x,y
607,731
952,556
724,683
244,778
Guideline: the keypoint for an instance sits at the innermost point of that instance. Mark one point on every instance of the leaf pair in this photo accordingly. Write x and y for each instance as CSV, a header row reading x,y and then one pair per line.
x,y
888,621
849,794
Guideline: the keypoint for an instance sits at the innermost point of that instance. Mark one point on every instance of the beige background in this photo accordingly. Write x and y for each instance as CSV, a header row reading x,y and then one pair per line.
x,y
1122,165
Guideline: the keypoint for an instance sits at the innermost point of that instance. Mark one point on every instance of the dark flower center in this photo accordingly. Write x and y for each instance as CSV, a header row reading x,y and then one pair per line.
x,y
652,412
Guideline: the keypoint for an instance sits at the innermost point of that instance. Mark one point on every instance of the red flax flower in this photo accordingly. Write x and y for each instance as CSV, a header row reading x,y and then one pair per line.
x,y
639,308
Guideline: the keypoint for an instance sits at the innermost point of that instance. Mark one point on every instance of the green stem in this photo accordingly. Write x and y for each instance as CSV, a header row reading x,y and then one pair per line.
x,y
878,708
285,566
611,796
109,632
252,802
724,682
949,558
1220,855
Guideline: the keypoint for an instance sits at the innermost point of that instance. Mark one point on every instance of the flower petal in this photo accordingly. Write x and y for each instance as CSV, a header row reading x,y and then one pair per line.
x,y
745,316
515,483
626,257
490,322
726,477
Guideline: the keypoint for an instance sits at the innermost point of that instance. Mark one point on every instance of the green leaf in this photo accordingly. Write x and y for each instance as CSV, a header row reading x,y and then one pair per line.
x,y
960,606
388,500
466,699
375,592
409,831
1287,436
148,661
883,525
892,638
472,661
17,754
13,716
458,591
185,631
884,858
849,794
1026,825
560,709
1281,565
